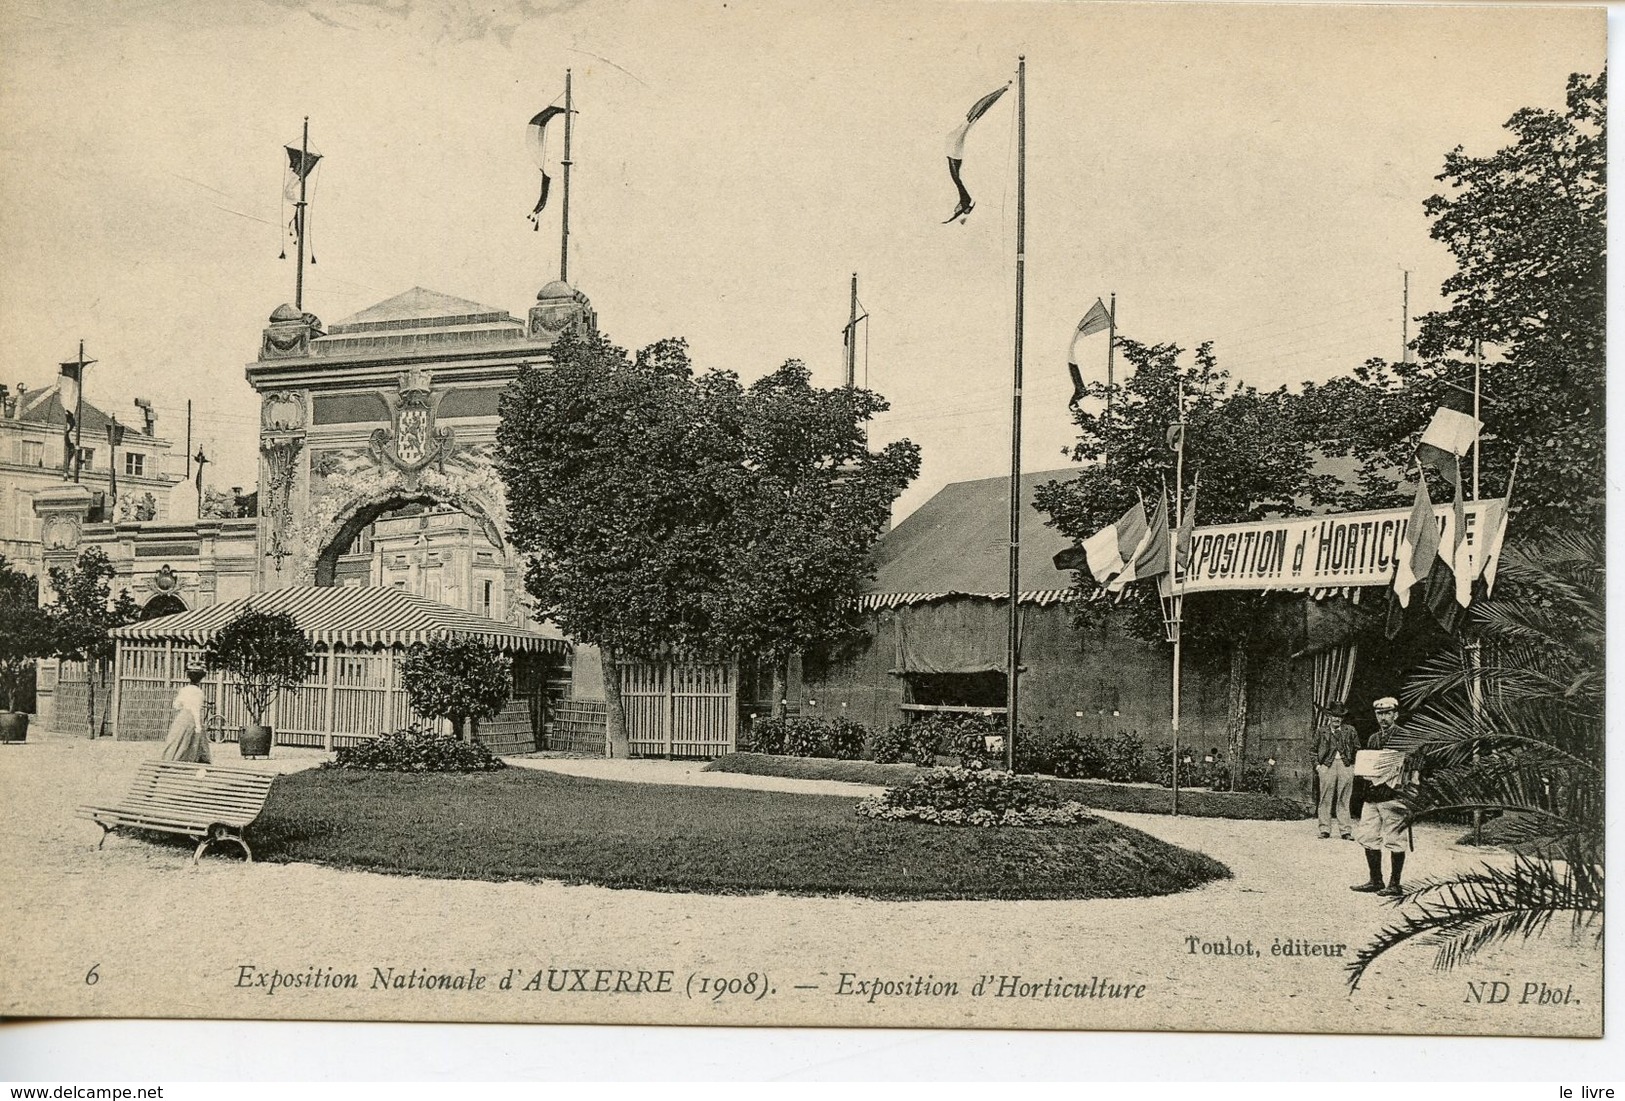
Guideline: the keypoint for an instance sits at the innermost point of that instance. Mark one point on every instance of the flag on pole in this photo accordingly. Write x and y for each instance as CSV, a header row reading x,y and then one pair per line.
x,y
1187,529
1419,547
536,138
1496,524
1151,555
300,165
68,389
1460,550
1110,550
1098,319
1452,431
956,150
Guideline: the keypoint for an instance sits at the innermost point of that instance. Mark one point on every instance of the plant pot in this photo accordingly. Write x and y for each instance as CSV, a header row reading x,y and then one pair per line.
x,y
255,741
13,726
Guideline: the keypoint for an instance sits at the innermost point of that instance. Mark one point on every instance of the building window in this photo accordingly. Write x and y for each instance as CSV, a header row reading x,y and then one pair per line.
x,y
962,692
135,463
485,599
33,453
87,457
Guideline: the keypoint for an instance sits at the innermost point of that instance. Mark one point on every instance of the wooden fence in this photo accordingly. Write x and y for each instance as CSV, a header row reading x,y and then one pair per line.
x,y
351,695
675,710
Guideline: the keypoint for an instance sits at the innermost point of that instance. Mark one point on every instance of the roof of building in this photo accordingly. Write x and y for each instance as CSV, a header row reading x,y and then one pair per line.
x,y
958,543
45,407
352,617
421,305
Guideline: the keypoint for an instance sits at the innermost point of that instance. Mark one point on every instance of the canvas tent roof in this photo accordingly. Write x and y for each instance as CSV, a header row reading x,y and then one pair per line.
x,y
352,617
958,543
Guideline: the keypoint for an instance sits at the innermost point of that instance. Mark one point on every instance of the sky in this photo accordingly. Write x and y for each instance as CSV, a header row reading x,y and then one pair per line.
x,y
1248,175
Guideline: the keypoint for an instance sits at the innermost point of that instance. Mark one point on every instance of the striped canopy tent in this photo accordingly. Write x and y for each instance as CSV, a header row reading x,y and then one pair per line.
x,y
354,690
352,617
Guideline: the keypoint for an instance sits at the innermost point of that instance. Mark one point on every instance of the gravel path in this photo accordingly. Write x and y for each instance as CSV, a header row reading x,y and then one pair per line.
x,y
170,939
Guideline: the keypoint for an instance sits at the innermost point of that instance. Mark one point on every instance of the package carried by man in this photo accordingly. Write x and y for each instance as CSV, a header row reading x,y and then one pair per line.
x,y
1380,766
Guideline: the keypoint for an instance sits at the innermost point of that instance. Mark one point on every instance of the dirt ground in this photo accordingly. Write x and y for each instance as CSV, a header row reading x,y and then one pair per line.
x,y
136,930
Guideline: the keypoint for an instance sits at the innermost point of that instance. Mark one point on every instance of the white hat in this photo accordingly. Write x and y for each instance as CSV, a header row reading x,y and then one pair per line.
x,y
1387,703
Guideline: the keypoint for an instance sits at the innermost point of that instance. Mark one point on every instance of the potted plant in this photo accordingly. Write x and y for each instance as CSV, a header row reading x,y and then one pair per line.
x,y
265,653
25,634
457,679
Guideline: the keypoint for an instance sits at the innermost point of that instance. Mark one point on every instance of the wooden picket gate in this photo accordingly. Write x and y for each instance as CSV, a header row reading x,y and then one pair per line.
x,y
680,710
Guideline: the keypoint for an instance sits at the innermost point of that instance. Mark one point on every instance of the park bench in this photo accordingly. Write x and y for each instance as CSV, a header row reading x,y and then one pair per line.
x,y
209,802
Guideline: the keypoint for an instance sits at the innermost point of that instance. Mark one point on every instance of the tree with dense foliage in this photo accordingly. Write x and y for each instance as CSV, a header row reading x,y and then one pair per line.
x,y
1254,457
457,679
811,500
1527,228
667,513
83,613
265,652
1529,748
25,633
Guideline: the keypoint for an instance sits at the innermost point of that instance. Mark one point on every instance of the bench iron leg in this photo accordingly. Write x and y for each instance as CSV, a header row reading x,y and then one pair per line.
x,y
201,845
105,831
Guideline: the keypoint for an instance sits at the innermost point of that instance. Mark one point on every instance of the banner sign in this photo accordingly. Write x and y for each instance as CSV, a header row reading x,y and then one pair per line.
x,y
1333,551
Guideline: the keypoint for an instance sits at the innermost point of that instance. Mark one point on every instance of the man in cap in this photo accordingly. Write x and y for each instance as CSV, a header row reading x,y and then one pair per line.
x,y
1382,821
1335,744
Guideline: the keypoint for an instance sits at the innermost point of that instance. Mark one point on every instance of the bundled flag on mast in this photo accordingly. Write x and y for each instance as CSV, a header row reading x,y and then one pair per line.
x,y
956,151
536,138
1097,320
301,164
68,389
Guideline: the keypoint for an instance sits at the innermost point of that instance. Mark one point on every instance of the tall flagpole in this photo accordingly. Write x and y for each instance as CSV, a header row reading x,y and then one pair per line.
x,y
852,338
1178,598
564,236
1012,652
299,216
1111,351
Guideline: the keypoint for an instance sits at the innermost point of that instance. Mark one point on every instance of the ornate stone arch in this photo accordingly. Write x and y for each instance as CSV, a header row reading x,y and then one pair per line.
x,y
337,535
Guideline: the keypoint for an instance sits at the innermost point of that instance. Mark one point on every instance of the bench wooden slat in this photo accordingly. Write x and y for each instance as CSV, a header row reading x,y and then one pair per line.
x,y
188,798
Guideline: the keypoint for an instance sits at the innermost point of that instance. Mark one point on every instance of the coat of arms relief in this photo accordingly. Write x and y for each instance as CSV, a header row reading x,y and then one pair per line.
x,y
413,441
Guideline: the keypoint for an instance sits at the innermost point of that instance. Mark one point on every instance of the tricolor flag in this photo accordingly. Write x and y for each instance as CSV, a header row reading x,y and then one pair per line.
x,y
1132,549
1110,550
1496,525
536,138
1098,319
300,165
1419,547
956,150
68,389
1449,435
1187,528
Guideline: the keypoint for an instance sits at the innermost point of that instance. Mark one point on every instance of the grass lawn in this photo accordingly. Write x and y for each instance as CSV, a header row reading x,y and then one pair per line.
x,y
1131,798
530,825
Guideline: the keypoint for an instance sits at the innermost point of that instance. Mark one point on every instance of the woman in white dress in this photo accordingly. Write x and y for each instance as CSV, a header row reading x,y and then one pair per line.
x,y
187,741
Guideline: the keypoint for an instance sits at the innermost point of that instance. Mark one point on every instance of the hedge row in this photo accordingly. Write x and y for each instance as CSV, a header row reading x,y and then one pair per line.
x,y
978,740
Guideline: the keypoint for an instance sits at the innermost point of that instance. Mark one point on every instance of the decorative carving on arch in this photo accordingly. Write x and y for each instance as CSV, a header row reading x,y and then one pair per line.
x,y
357,486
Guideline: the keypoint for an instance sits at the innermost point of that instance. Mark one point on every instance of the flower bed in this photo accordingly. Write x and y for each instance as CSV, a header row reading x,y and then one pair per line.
x,y
412,749
973,797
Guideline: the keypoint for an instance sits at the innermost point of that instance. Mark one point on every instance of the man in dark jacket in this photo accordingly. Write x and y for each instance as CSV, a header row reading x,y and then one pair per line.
x,y
1335,743
1382,820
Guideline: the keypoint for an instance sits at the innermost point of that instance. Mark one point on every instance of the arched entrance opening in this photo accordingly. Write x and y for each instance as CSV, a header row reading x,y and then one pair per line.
x,y
161,605
428,546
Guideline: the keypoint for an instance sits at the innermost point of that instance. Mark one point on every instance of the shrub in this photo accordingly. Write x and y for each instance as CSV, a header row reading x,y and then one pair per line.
x,y
914,743
802,736
457,679
413,749
973,797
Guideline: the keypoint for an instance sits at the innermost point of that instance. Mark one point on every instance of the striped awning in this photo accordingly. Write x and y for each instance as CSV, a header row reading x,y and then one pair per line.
x,y
1042,597
352,617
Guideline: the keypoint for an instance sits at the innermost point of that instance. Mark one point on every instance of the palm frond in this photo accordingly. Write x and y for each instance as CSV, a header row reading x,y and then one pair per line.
x,y
1463,915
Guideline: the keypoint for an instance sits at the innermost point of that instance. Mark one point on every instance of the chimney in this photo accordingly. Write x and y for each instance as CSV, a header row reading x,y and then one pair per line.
x,y
148,417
